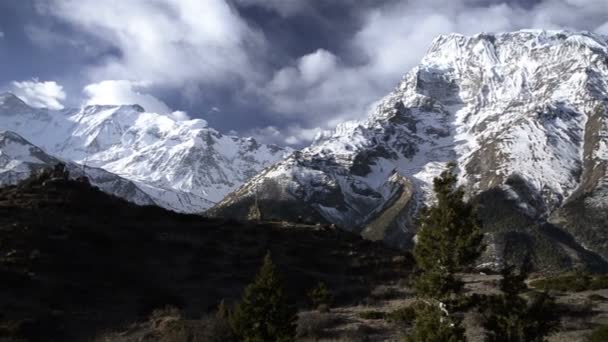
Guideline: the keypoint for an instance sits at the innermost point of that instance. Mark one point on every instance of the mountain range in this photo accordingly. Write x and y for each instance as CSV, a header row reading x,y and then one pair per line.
x,y
184,166
524,116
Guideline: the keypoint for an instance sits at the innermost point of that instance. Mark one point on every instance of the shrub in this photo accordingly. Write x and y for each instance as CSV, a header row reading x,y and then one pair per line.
x,y
599,282
599,334
320,296
596,297
576,282
216,328
403,316
509,317
564,283
434,324
359,334
371,314
315,325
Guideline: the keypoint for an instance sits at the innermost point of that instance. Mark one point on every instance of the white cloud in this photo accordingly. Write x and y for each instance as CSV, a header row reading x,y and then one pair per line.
x,y
166,42
315,65
1,34
38,94
123,92
294,135
298,135
179,115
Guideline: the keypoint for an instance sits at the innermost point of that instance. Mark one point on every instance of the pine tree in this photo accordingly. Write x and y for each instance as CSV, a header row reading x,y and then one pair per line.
x,y
264,314
434,323
510,317
448,241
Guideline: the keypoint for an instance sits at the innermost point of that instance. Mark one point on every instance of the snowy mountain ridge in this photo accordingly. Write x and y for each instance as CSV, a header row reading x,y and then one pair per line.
x,y
183,165
524,113
19,159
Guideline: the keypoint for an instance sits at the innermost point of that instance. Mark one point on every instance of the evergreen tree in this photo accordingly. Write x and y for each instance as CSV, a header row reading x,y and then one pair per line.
x,y
448,239
264,313
509,317
434,323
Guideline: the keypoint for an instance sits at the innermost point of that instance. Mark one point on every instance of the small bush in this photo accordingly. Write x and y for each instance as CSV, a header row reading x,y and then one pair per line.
x,y
509,317
433,324
572,283
320,296
167,311
599,334
371,314
564,283
403,316
315,325
216,328
599,283
359,334
596,297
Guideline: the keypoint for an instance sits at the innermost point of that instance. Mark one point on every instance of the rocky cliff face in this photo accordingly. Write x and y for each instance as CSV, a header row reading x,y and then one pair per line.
x,y
182,165
525,117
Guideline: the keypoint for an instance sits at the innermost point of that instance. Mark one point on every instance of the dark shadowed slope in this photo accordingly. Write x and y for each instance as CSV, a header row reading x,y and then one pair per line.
x,y
75,261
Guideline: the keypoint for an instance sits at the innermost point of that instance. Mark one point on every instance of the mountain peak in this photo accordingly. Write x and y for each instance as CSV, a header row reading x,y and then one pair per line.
x,y
99,107
523,114
455,43
12,136
10,104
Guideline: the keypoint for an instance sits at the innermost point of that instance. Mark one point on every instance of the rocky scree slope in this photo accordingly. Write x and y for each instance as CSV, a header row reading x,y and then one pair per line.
x,y
181,165
525,117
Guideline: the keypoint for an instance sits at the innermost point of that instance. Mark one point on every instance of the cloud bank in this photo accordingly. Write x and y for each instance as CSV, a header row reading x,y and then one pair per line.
x,y
165,41
38,94
123,92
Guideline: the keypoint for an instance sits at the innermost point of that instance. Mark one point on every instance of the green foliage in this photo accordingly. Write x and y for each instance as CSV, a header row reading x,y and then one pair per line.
x,y
576,282
596,297
599,334
434,324
264,313
449,239
509,317
320,295
403,316
218,328
371,314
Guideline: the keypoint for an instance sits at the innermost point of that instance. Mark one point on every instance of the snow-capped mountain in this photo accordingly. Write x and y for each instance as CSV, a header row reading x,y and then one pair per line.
x,y
182,165
19,159
525,117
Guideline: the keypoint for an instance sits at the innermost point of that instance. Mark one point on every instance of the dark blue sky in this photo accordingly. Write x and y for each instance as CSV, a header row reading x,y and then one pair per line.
x,y
276,69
